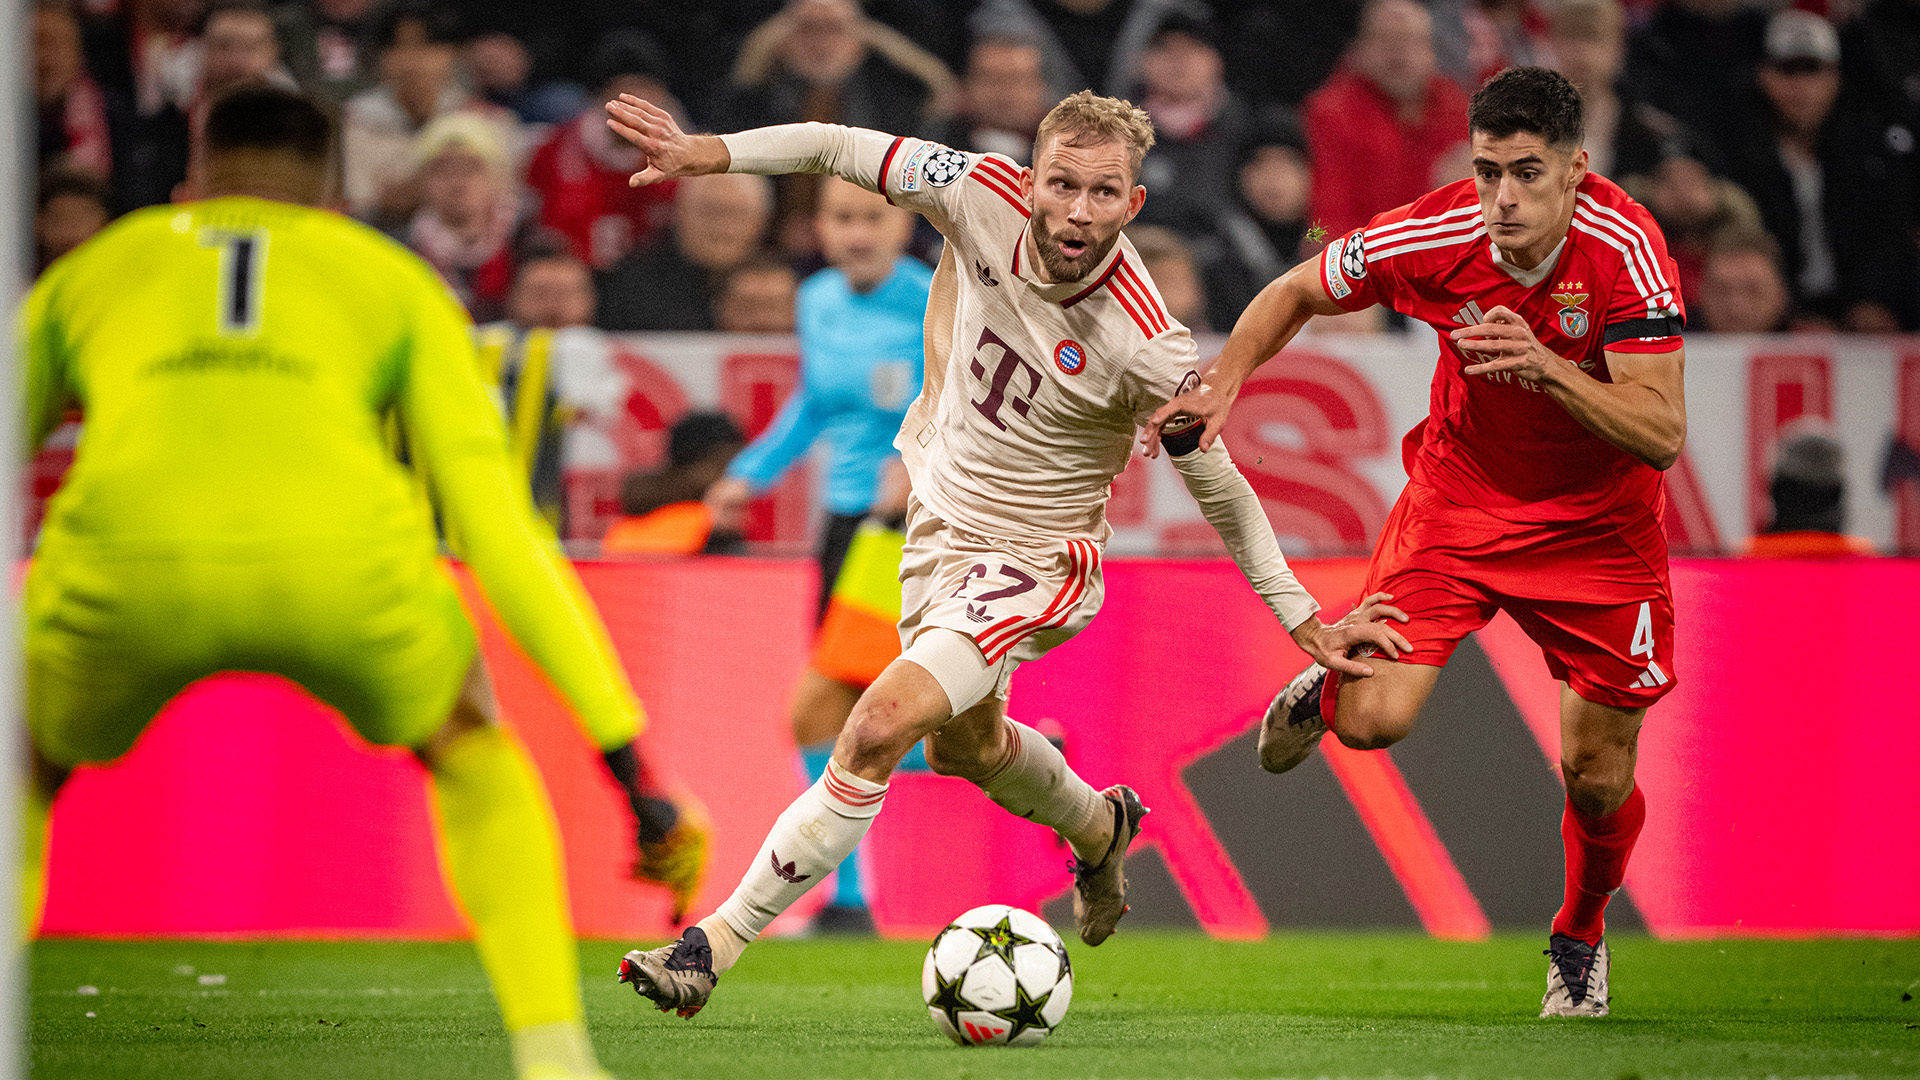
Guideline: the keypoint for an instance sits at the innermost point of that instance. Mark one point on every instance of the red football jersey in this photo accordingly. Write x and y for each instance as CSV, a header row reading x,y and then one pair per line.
x,y
1494,441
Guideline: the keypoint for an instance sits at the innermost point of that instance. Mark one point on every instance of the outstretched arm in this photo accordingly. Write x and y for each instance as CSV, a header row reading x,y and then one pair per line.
x,y
1234,510
1265,327
854,154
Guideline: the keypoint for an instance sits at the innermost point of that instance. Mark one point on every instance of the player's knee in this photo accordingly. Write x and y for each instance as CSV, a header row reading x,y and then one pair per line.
x,y
949,760
1597,785
1366,736
1364,724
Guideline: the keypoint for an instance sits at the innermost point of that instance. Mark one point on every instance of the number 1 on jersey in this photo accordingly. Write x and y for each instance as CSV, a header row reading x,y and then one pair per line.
x,y
243,258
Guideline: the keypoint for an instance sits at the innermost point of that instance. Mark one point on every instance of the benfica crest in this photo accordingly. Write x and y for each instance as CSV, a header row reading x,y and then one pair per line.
x,y
1573,318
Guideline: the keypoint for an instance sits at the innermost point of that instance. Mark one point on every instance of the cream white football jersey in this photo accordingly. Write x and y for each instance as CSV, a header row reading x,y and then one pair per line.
x,y
1033,391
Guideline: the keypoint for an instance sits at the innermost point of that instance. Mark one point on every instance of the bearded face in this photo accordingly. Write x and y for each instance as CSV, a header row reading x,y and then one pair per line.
x,y
1082,197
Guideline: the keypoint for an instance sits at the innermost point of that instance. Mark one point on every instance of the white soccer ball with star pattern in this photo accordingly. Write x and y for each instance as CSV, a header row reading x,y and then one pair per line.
x,y
997,976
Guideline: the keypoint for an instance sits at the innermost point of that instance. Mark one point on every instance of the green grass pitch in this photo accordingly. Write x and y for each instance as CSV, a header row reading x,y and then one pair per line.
x,y
1146,1005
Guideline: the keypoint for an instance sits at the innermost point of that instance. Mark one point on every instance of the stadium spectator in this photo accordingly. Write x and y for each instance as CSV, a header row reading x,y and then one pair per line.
x,y
471,225
1087,44
1834,185
1474,39
1279,51
1692,206
1587,42
1385,122
580,172
71,206
669,511
757,297
1742,287
238,45
419,45
1002,99
503,73
1171,266
1880,56
1809,494
1743,291
823,60
1695,59
556,377
719,222
552,290
1262,234
329,45
164,51
1198,127
78,120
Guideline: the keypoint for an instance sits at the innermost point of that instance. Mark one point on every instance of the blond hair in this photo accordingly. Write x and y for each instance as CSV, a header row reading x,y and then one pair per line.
x,y
1087,119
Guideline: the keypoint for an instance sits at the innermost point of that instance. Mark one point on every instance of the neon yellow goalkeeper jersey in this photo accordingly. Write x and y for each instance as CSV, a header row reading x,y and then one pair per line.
x,y
236,361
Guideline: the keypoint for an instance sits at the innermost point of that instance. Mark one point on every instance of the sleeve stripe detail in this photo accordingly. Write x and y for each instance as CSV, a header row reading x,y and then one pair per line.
x,y
885,162
1643,264
1452,239
1659,302
996,187
1000,171
1129,280
1383,234
1095,287
1634,329
1642,246
1622,243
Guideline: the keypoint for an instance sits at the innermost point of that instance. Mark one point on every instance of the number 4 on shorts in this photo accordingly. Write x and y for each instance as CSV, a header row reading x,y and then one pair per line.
x,y
1643,646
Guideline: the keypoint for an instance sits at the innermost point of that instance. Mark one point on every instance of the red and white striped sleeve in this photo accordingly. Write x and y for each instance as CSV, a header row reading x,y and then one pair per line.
x,y
1647,313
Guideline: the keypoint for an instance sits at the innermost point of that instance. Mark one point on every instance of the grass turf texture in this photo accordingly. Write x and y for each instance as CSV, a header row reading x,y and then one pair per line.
x,y
1146,1005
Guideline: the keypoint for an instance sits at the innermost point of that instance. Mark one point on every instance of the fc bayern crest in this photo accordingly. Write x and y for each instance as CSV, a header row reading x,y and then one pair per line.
x,y
944,167
1070,357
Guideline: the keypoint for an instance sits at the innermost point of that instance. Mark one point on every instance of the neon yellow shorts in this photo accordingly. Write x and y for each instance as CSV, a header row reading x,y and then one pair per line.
x,y
109,640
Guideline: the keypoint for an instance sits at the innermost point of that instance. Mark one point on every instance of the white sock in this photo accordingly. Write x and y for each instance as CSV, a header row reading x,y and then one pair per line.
x,y
1034,782
811,837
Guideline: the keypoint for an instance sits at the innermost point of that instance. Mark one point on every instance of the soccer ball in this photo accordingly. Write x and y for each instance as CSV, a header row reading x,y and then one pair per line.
x,y
997,976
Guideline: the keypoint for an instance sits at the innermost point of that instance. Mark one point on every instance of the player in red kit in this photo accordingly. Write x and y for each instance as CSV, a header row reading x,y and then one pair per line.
x,y
1534,484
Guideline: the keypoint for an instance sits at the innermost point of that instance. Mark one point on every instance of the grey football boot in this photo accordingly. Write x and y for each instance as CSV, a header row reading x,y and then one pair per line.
x,y
1576,978
1100,889
677,978
1292,726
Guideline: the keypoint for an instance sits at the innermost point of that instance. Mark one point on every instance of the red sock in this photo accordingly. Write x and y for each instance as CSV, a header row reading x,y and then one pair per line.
x,y
1329,697
1597,852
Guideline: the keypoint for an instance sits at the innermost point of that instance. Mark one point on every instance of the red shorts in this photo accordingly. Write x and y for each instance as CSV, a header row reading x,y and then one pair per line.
x,y
1593,595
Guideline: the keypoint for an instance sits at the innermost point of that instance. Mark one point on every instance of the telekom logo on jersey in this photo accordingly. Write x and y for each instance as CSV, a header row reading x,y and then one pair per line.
x,y
993,353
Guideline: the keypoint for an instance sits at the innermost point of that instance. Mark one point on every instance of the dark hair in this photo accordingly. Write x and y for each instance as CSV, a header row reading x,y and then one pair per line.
x,y
439,24
625,51
262,117
1536,100
698,434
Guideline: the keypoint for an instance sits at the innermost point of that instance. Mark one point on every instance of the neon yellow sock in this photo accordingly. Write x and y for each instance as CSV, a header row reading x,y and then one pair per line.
x,y
33,860
501,853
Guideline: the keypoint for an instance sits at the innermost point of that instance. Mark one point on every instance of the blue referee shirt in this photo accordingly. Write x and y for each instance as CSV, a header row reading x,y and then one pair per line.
x,y
861,361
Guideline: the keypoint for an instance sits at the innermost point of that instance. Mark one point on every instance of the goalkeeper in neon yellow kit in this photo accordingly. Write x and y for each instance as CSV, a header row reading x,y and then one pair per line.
x,y
234,504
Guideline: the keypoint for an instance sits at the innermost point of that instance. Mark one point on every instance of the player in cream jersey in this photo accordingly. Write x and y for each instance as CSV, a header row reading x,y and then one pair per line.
x,y
1047,348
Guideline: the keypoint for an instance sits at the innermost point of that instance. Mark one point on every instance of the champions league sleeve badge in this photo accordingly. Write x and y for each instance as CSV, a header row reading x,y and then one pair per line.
x,y
944,167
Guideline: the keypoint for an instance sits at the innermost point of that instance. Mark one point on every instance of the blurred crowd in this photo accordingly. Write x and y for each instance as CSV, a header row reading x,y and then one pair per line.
x,y
1774,145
